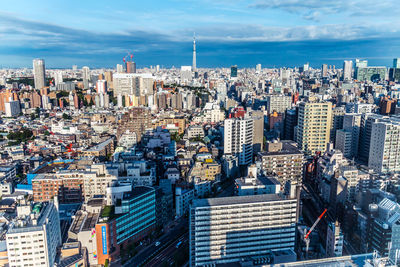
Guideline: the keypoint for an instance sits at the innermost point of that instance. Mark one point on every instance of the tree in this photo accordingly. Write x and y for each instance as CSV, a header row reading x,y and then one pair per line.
x,y
66,116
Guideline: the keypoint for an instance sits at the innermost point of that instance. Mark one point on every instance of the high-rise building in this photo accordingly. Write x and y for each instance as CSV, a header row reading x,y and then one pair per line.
x,y
290,124
226,230
39,73
384,153
347,70
130,67
314,126
58,78
186,74
324,70
396,63
12,108
278,103
194,54
347,139
86,77
238,139
234,71
101,86
258,68
120,68
34,238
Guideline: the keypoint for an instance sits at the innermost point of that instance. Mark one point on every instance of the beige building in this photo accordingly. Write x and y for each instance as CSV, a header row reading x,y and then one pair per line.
x,y
314,125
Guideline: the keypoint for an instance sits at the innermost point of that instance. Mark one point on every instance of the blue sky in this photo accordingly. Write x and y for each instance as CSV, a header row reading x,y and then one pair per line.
x,y
270,32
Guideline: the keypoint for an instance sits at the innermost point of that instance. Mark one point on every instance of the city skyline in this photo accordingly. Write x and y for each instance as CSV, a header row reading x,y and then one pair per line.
x,y
284,33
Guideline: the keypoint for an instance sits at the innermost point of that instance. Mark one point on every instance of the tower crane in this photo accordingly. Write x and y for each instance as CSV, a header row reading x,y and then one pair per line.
x,y
306,237
68,147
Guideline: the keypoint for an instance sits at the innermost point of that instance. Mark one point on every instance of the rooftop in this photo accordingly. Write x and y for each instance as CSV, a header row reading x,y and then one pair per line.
x,y
288,147
222,201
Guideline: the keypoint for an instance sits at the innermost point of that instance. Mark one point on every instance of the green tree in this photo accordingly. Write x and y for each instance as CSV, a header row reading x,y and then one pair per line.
x,y
66,116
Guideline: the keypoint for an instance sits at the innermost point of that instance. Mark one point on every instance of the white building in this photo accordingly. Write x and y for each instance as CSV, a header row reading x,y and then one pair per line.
x,y
12,108
256,184
384,152
226,230
186,74
33,239
133,84
101,86
183,200
347,70
39,73
278,103
195,131
238,139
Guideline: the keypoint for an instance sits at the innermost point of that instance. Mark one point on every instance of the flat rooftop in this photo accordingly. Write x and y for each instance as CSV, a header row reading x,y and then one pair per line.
x,y
352,260
288,147
235,200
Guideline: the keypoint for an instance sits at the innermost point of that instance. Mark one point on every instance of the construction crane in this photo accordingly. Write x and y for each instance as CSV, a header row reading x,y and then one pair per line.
x,y
68,147
306,237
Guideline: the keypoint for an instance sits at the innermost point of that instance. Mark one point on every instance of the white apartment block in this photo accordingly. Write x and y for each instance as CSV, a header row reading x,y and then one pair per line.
x,y
384,151
226,230
278,103
33,239
238,139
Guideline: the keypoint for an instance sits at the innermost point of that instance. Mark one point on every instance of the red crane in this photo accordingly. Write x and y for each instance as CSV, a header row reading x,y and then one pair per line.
x,y
68,147
306,237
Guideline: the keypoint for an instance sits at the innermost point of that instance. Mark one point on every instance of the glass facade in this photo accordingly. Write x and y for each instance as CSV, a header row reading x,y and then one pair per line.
x,y
140,214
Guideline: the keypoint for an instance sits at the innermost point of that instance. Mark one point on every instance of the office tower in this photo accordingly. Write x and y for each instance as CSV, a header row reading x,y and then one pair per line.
x,y
133,84
229,229
234,71
58,78
347,139
284,160
130,67
33,239
86,77
238,139
101,86
186,74
361,63
194,54
347,70
258,68
384,153
120,68
324,70
396,63
306,67
334,240
371,73
39,73
12,108
278,103
314,126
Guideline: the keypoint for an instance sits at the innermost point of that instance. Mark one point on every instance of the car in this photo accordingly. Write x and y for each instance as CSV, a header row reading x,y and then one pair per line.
x,y
179,244
157,243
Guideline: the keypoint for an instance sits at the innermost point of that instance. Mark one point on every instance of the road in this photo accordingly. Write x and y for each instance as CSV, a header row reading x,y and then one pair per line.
x,y
152,250
167,254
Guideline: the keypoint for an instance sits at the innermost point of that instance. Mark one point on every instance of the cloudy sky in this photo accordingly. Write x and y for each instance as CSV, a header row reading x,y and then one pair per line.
x,y
271,32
